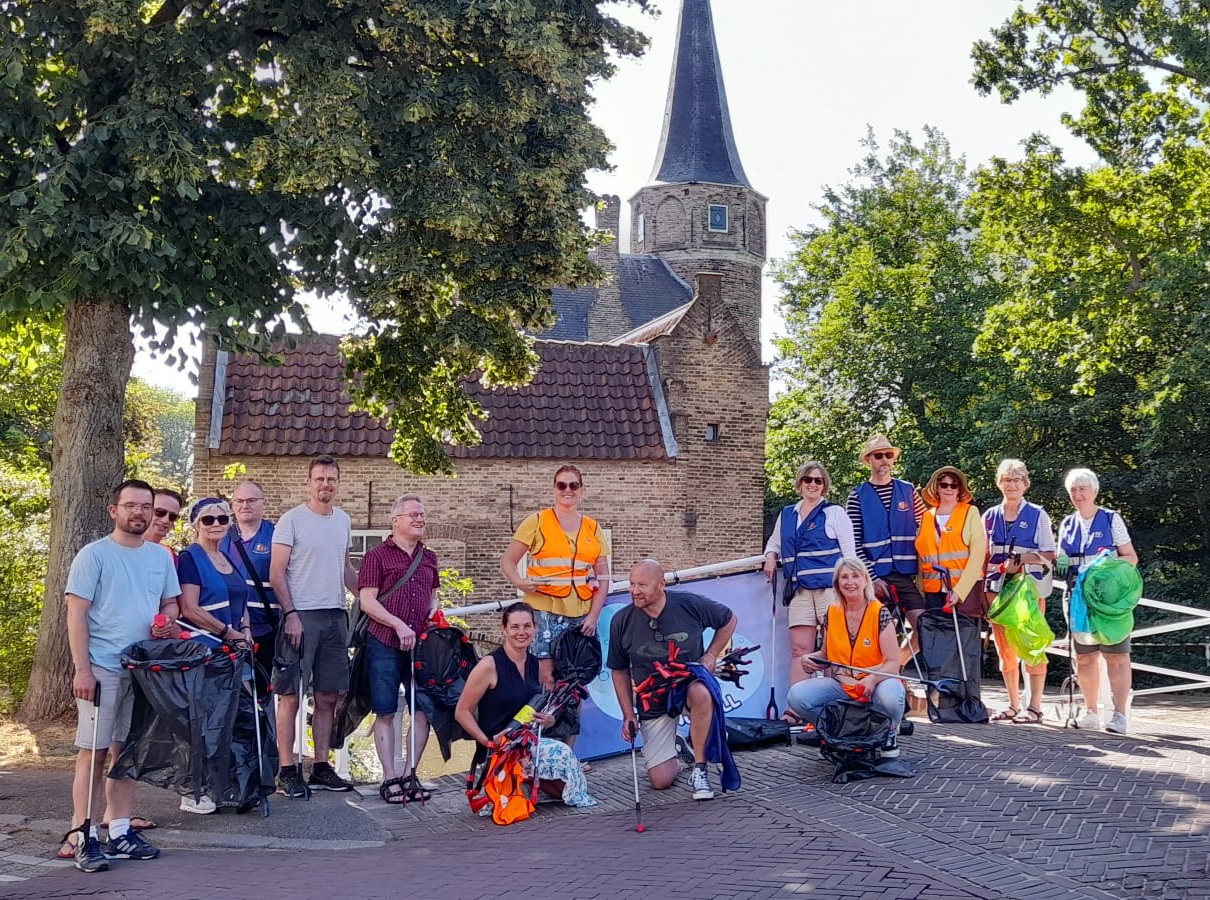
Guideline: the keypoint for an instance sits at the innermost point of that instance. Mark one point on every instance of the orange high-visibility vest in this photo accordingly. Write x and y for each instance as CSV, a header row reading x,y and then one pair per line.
x,y
864,650
559,564
950,553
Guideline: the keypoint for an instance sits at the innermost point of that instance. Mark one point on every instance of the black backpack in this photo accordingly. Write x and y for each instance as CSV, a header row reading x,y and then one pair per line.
x,y
851,737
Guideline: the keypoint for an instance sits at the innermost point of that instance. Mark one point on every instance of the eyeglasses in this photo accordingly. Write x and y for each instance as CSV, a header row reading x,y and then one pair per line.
x,y
165,514
655,626
811,479
567,485
239,500
212,520
415,517
887,454
134,507
948,485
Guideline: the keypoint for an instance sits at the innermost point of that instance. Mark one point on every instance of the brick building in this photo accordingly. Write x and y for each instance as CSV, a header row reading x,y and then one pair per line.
x,y
651,382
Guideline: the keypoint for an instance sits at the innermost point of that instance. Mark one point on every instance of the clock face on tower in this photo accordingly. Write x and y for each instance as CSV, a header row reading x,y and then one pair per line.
x,y
718,217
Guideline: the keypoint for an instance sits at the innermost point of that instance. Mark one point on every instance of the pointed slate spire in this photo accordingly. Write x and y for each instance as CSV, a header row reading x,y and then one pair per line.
x,y
697,144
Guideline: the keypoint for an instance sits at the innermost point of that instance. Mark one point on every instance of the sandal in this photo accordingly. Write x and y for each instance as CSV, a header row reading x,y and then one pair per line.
x,y
1031,716
1007,715
67,850
413,790
392,791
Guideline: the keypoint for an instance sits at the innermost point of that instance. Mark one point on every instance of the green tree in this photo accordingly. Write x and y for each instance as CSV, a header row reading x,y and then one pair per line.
x,y
158,424
883,301
164,162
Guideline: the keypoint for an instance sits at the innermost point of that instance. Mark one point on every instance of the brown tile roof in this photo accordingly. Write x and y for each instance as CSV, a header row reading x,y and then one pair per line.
x,y
588,401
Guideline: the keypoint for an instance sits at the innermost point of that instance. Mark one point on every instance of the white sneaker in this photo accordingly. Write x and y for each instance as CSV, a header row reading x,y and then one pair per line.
x,y
203,807
699,783
1117,723
890,750
1090,721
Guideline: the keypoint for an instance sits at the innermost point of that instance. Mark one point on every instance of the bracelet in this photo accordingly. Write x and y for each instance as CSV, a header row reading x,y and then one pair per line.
x,y
289,612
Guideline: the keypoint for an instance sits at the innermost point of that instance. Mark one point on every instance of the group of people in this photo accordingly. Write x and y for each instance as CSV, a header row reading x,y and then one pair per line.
x,y
895,550
280,588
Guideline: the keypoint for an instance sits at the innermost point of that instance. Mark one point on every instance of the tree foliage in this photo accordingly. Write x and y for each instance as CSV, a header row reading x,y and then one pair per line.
x,y
883,301
165,163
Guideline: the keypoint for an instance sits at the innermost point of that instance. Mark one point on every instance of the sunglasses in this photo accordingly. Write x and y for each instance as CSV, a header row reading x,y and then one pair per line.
x,y
883,454
215,520
165,514
655,626
948,484
567,485
811,479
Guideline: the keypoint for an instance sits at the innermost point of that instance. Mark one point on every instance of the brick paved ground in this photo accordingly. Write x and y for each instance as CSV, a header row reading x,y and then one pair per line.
x,y
995,811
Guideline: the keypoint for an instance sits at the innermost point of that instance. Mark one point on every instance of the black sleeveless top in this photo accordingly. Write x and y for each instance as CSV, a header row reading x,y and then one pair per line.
x,y
499,704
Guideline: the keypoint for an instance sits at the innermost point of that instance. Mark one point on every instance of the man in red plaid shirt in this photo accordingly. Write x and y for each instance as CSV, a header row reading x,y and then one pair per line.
x,y
398,612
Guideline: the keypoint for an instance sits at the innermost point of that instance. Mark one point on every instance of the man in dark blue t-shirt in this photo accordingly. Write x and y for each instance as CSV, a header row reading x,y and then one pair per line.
x,y
638,638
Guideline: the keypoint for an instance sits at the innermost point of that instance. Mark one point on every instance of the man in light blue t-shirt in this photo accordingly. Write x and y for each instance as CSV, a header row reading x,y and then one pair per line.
x,y
115,588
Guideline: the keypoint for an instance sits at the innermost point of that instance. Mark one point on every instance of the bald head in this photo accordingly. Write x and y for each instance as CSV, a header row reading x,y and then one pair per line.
x,y
647,586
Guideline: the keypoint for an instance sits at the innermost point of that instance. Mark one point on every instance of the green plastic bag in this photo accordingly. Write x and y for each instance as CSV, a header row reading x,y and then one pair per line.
x,y
1112,588
1016,609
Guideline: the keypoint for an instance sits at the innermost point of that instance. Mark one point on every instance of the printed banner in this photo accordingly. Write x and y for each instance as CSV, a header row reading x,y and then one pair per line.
x,y
752,600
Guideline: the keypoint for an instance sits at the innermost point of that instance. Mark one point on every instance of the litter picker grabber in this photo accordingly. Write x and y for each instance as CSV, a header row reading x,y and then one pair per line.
x,y
634,770
260,751
948,686
951,601
85,829
300,722
411,782
771,711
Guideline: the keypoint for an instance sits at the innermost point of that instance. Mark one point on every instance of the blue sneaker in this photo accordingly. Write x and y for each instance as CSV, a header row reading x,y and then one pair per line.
x,y
131,845
89,857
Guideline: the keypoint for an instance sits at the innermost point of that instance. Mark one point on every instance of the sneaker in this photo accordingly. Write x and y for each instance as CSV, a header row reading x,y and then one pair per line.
x,y
290,782
203,806
89,857
699,783
1117,723
325,779
890,750
1090,721
131,845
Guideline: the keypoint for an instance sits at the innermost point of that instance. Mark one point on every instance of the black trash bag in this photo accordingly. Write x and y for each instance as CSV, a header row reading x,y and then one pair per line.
x,y
444,659
851,738
252,776
578,659
749,734
353,705
185,702
939,655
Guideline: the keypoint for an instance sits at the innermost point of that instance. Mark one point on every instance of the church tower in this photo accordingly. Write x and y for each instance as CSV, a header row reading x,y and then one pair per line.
x,y
700,213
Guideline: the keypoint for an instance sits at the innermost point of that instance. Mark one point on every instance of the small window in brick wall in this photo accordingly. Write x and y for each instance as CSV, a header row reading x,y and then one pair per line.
x,y
363,543
718,217
714,433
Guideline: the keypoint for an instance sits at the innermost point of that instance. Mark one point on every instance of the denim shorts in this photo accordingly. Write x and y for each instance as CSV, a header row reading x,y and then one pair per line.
x,y
389,669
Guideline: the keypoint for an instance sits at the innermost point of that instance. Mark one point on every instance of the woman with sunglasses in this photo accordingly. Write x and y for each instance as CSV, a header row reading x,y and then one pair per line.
x,y
1020,539
809,538
951,545
214,595
566,576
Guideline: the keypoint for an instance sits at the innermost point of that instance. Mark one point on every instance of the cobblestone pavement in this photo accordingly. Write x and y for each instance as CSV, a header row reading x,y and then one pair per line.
x,y
995,811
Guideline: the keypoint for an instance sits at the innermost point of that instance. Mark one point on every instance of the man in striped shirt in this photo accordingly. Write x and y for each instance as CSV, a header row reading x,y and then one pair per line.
x,y
886,513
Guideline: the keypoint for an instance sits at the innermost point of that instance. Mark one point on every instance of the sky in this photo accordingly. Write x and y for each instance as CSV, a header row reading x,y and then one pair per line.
x,y
804,80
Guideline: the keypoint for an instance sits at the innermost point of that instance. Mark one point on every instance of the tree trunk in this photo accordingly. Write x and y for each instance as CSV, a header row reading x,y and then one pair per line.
x,y
87,462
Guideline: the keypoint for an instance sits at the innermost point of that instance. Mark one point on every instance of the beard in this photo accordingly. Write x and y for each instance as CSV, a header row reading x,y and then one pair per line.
x,y
134,526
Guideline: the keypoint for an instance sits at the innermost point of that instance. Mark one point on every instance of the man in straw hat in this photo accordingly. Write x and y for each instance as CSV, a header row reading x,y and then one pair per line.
x,y
886,513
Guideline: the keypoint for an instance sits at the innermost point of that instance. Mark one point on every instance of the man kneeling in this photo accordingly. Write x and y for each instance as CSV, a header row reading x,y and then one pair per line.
x,y
641,636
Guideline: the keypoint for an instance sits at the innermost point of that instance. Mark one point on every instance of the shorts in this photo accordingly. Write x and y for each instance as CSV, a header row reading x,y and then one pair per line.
x,y
389,669
659,740
325,653
910,597
113,713
809,606
550,626
1120,647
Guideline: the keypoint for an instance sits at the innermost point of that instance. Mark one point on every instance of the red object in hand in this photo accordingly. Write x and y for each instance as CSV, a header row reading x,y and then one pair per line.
x,y
160,621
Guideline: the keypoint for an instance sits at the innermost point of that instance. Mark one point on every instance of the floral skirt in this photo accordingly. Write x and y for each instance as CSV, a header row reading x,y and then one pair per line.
x,y
558,762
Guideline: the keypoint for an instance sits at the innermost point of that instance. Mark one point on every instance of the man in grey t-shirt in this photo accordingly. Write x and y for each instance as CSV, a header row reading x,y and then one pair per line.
x,y
309,571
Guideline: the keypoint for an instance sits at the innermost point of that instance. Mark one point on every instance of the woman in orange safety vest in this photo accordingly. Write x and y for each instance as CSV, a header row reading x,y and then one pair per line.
x,y
951,545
